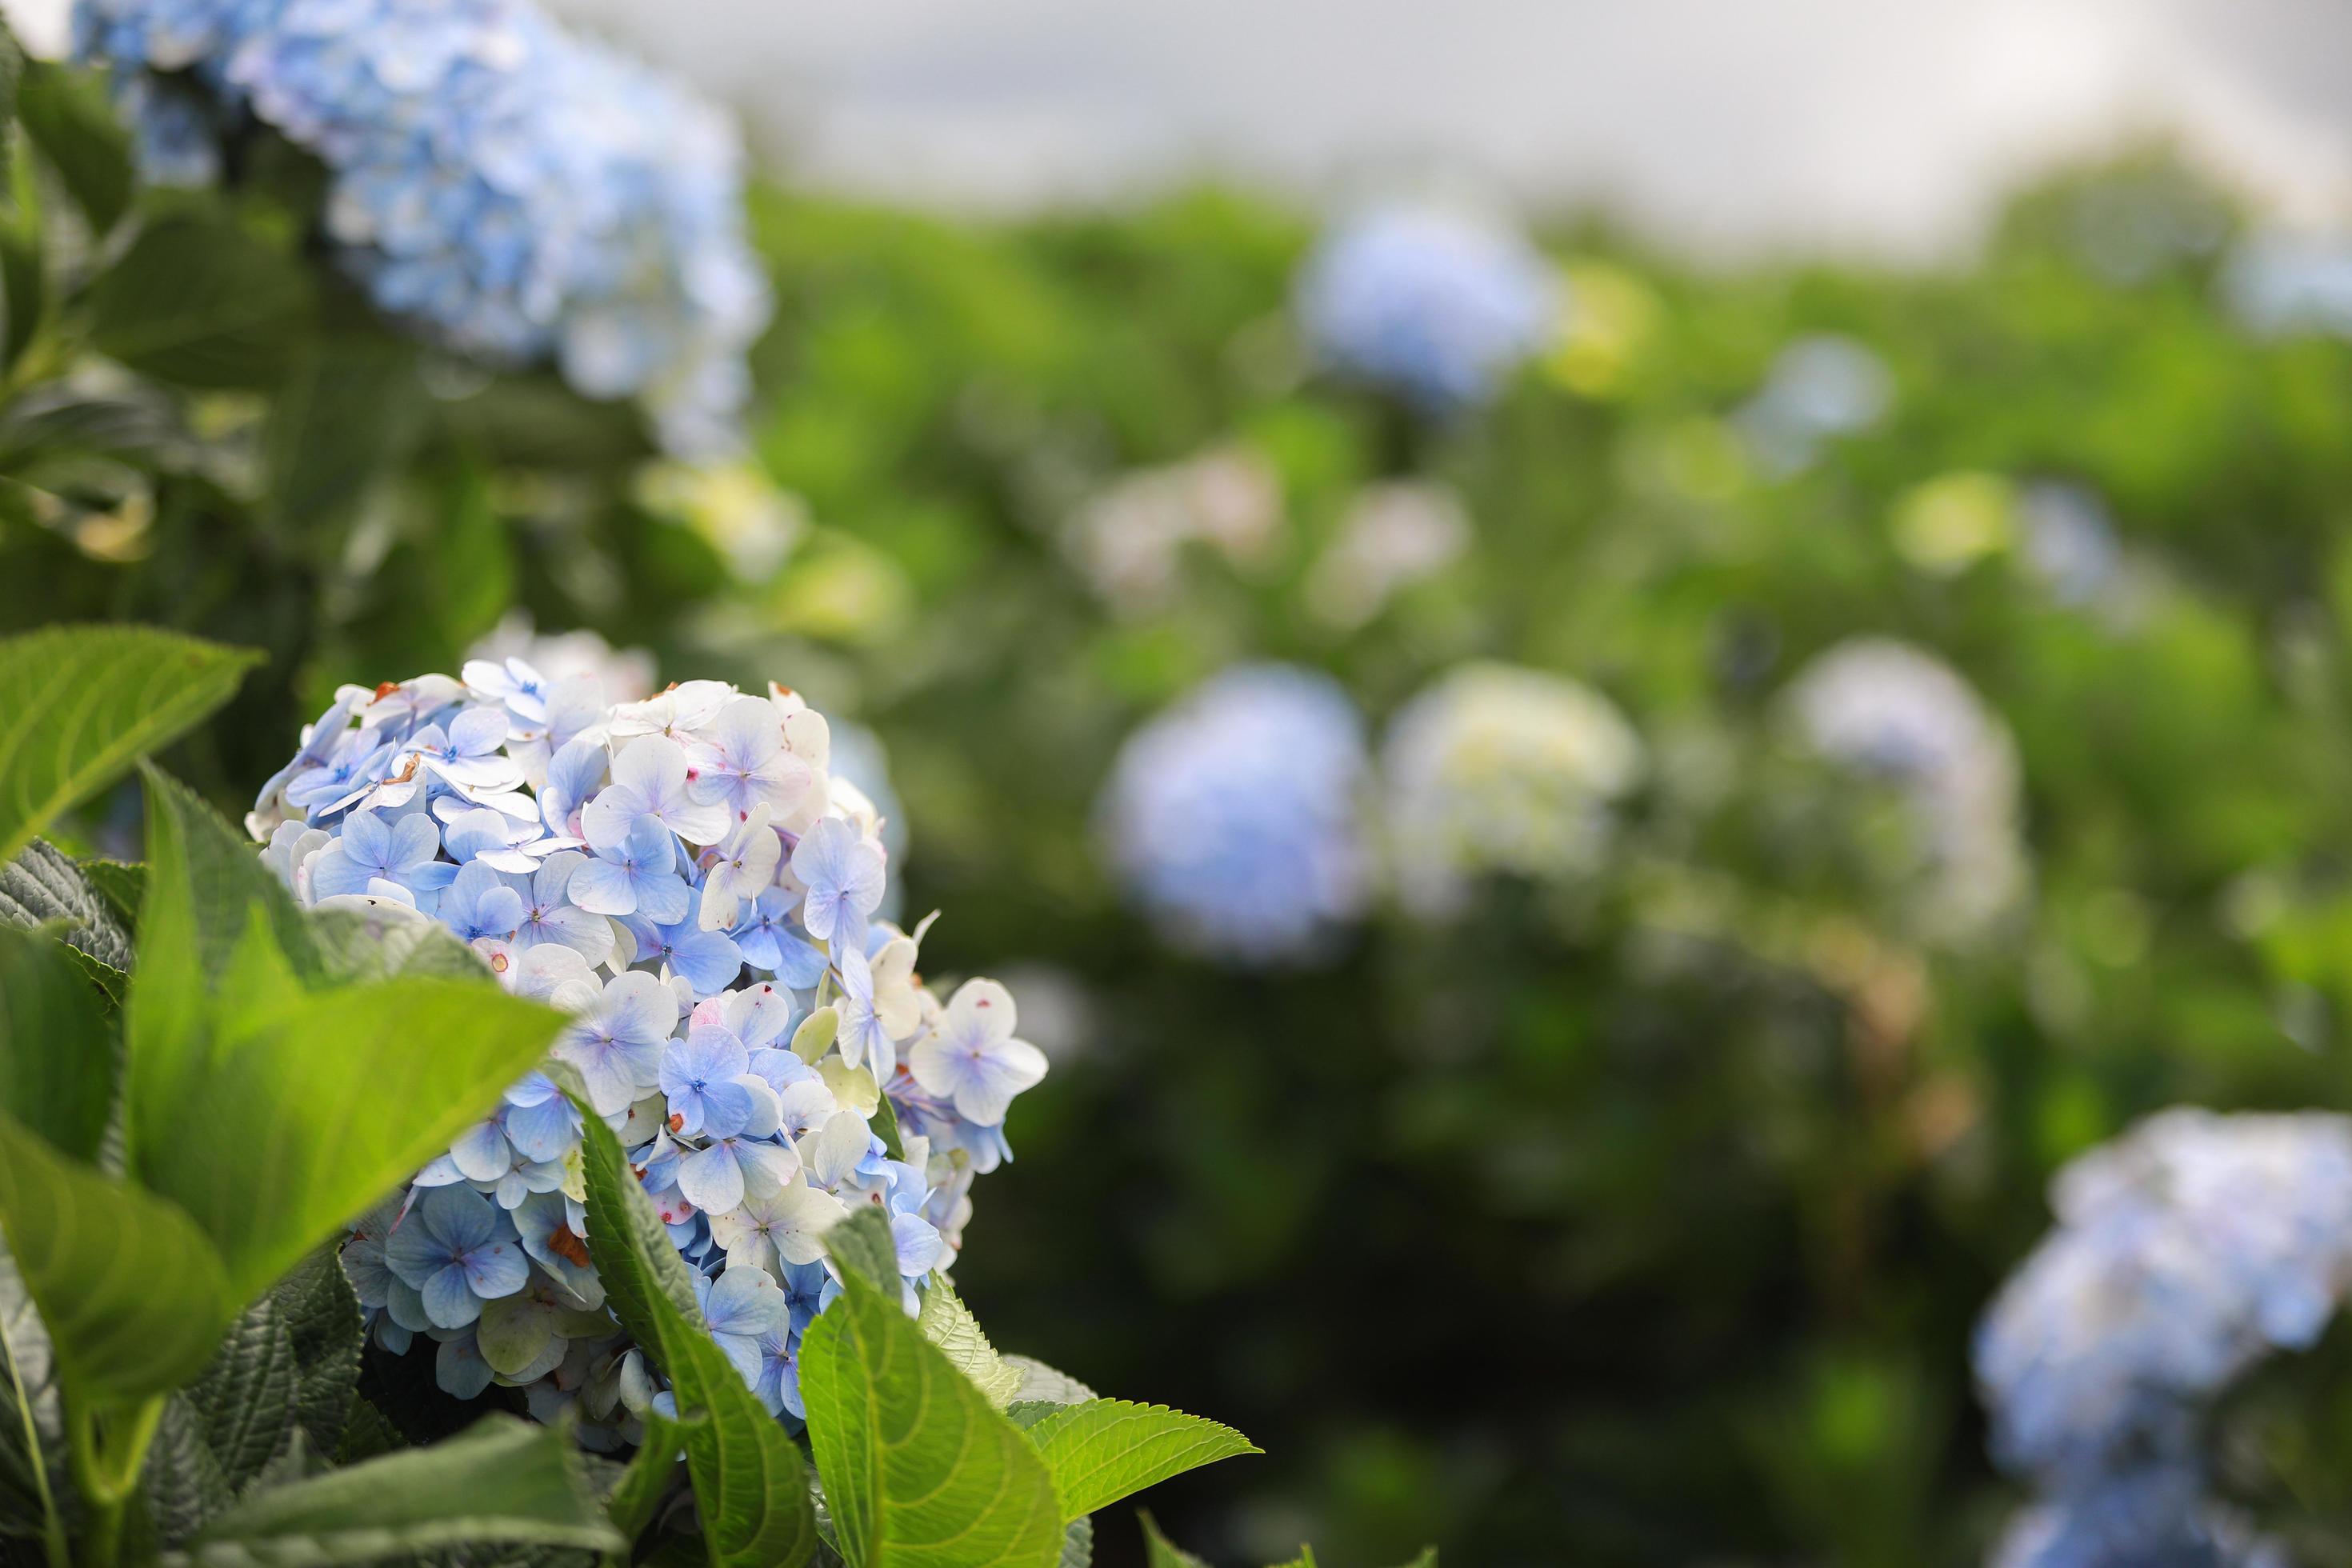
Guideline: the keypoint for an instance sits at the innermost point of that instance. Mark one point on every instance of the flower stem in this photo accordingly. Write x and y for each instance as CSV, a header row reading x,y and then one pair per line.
x,y
108,1455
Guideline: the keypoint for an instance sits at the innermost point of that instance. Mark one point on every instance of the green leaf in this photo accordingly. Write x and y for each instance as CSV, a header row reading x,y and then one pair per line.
x,y
302,1107
68,119
1106,1449
920,1471
93,1252
42,885
1043,1383
24,292
35,1486
348,406
183,1482
1078,1544
201,300
639,1493
948,1323
368,1435
862,1245
1159,1552
502,1481
244,1400
749,1481
56,1053
884,1122
1306,1559
204,881
383,945
80,704
121,883
324,1320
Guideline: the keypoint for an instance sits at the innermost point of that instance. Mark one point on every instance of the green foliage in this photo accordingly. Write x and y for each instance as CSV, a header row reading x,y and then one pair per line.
x,y
94,1254
57,1054
78,705
201,300
749,1483
504,1482
919,1469
65,115
1105,1449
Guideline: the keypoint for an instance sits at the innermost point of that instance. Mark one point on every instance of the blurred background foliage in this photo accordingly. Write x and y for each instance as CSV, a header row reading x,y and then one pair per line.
x,y
1640,1220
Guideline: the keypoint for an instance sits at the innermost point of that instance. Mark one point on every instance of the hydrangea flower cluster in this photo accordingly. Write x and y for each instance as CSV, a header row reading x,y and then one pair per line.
x,y
514,191
1888,712
1430,304
2186,1251
1498,769
694,880
1235,818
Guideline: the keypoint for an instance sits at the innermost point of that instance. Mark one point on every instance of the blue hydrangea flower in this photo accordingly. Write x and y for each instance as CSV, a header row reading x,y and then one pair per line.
x,y
457,1250
512,190
1432,304
1235,818
2155,1518
2186,1251
749,1153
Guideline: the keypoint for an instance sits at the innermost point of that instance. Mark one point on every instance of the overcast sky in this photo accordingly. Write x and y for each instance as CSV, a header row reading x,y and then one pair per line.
x,y
1887,125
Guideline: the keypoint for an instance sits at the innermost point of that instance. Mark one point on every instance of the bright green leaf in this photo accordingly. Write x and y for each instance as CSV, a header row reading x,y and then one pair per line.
x,y
1106,1449
56,1052
919,1469
502,1481
749,1484
948,1323
133,1295
1159,1552
80,704
302,1107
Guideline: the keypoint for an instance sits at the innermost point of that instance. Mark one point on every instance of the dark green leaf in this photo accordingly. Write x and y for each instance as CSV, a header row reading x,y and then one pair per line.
x,y
1106,1449
42,885
80,704
919,1469
346,409
92,1252
368,1434
56,1052
322,1318
34,1482
647,1480
749,1481
121,883
182,1483
202,301
245,1399
503,1481
67,117
24,293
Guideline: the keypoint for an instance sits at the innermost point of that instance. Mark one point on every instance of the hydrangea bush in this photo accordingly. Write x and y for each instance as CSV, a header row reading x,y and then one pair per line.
x,y
512,190
2187,1251
690,877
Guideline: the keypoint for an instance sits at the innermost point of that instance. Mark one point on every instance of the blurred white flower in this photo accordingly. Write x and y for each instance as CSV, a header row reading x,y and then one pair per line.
x,y
1128,541
1394,535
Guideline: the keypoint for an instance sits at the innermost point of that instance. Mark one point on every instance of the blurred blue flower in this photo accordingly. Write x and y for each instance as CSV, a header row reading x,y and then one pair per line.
x,y
1430,304
512,190
1234,818
2155,1518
